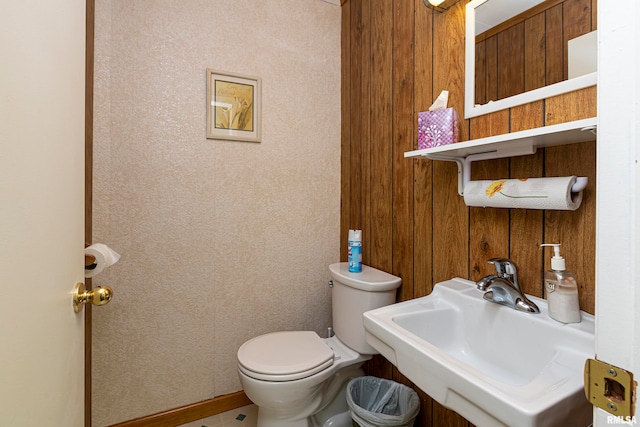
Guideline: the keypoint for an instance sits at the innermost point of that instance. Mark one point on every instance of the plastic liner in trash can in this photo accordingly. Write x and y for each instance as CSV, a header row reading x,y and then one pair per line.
x,y
376,402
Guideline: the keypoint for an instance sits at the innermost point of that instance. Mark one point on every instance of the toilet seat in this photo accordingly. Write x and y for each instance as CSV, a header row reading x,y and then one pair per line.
x,y
284,356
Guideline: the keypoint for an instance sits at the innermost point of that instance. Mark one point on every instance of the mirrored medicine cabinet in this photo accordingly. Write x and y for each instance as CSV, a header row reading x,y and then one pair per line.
x,y
520,51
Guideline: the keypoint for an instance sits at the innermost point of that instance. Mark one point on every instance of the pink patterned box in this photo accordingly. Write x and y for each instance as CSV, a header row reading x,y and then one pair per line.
x,y
436,128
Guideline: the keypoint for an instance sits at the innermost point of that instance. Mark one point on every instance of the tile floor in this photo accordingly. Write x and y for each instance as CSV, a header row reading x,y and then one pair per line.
x,y
241,417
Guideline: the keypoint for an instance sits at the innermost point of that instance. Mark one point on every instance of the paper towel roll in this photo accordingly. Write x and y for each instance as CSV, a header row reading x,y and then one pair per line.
x,y
105,257
531,193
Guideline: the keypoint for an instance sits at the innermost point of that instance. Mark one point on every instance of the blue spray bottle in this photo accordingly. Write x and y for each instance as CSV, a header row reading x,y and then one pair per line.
x,y
355,251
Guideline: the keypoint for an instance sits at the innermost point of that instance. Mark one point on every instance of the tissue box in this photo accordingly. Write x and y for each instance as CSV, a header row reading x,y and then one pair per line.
x,y
436,128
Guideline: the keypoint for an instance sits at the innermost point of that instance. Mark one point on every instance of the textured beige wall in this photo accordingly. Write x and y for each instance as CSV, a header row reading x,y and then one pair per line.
x,y
220,240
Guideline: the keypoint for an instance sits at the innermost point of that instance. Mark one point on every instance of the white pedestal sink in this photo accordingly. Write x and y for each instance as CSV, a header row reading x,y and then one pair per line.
x,y
493,365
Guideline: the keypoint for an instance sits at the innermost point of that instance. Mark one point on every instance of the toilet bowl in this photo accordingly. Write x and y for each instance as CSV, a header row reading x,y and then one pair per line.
x,y
296,378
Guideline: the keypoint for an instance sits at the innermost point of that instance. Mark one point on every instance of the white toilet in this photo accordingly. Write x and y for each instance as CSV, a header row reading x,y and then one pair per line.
x,y
296,378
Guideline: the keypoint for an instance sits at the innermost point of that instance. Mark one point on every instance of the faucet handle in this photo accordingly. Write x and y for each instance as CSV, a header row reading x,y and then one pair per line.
x,y
506,269
504,266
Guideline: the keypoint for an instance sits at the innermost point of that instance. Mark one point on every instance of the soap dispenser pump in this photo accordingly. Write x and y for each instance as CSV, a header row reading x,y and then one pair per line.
x,y
561,289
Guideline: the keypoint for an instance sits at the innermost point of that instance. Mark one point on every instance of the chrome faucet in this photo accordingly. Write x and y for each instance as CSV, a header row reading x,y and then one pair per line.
x,y
503,287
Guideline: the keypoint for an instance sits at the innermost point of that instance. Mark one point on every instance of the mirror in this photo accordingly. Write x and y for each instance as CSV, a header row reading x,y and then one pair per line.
x,y
508,59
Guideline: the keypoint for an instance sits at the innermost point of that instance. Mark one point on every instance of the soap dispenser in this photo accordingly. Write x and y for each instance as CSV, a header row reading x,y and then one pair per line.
x,y
561,289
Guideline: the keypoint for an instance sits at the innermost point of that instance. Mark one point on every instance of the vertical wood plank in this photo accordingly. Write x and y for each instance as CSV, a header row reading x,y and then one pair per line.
x,y
554,47
450,233
379,367
480,91
365,137
577,105
488,227
446,417
422,169
425,416
88,198
345,130
534,48
575,231
527,116
450,225
451,221
526,231
491,73
489,124
511,64
360,96
448,59
403,126
379,227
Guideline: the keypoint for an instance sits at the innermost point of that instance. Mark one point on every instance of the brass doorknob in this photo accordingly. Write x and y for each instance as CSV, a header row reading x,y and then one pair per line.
x,y
99,295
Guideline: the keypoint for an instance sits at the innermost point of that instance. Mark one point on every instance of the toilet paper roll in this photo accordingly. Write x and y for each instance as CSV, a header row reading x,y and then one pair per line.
x,y
105,257
531,193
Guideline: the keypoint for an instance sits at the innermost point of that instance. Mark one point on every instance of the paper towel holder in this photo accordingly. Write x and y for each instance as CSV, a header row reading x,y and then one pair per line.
x,y
464,165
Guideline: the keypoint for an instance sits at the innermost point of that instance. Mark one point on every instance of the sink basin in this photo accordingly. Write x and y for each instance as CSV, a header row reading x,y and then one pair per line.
x,y
493,365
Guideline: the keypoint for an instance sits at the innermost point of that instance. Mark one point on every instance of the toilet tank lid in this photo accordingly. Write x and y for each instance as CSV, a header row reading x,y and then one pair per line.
x,y
370,279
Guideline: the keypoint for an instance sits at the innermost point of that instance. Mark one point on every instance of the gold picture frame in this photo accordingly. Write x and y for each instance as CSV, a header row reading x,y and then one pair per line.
x,y
233,106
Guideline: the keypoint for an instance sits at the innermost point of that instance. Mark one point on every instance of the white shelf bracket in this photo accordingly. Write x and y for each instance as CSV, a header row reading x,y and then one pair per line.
x,y
464,163
460,161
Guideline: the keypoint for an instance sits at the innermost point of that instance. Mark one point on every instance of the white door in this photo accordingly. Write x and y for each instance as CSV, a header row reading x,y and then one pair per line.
x,y
42,55
618,193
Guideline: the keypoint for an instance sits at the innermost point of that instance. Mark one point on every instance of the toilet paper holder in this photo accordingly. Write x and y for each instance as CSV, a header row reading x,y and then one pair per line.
x,y
89,260
97,257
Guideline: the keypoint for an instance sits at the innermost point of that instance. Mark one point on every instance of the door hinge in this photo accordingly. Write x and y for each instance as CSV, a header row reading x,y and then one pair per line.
x,y
610,388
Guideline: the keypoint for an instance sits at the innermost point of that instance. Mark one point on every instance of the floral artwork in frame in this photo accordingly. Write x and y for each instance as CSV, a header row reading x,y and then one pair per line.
x,y
233,106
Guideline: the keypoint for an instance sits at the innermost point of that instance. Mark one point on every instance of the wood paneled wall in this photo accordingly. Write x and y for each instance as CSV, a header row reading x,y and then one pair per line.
x,y
530,50
397,55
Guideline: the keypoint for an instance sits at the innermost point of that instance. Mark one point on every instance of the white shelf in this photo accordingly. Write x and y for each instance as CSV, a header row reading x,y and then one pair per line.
x,y
547,136
508,145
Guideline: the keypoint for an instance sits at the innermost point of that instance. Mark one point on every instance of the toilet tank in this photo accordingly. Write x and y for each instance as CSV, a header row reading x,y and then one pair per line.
x,y
355,293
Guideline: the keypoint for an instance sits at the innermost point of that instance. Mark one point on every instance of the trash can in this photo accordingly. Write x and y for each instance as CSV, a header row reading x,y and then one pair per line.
x,y
376,402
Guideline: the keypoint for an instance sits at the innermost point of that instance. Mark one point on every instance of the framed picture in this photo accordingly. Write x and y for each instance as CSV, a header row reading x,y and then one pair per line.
x,y
233,106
